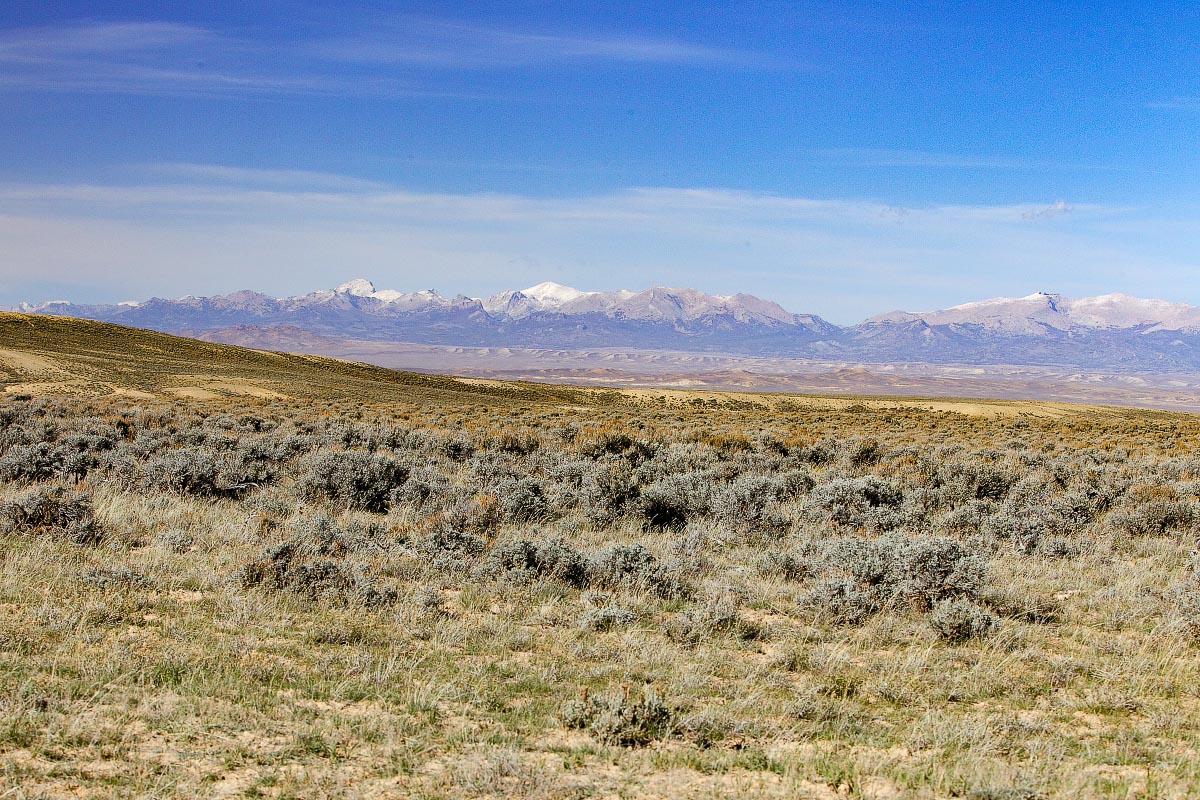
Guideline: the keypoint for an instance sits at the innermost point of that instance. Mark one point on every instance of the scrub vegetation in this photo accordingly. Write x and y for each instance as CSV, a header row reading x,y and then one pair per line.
x,y
456,591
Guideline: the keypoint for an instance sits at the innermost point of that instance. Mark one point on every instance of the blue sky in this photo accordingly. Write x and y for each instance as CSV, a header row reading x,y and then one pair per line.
x,y
841,158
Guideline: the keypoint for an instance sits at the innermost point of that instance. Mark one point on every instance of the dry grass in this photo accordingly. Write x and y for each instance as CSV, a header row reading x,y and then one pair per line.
x,y
143,666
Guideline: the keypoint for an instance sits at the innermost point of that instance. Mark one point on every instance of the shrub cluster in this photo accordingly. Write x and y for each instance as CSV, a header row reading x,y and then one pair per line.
x,y
351,479
616,567
287,567
866,522
606,617
958,619
712,616
53,511
861,575
1038,502
623,717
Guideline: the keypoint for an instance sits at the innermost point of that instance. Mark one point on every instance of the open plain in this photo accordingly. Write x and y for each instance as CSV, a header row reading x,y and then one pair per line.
x,y
234,573
632,367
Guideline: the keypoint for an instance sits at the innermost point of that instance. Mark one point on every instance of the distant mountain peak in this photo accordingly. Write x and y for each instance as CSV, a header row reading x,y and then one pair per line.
x,y
359,287
1041,312
1114,331
551,292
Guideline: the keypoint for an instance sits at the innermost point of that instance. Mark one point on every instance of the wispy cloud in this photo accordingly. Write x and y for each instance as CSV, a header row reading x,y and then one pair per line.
x,y
275,179
167,58
440,43
296,196
49,44
131,79
287,231
142,58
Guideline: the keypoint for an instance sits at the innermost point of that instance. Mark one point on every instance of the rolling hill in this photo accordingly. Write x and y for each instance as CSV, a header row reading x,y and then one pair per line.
x,y
48,354
55,356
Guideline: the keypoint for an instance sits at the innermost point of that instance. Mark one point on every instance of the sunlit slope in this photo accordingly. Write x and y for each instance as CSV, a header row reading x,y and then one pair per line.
x,y
60,354
52,355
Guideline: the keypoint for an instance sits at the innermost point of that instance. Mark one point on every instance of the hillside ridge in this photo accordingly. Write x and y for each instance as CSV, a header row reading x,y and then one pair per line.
x,y
1114,332
51,355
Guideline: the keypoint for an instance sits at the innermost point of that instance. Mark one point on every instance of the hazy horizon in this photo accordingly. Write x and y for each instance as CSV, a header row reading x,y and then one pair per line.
x,y
839,162
634,290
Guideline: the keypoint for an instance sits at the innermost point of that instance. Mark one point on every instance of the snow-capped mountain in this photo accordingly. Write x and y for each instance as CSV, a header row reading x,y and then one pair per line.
x,y
656,304
1040,313
545,314
546,296
542,297
1113,331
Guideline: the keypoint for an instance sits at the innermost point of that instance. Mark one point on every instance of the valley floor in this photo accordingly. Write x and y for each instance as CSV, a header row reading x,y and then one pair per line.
x,y
642,597
714,371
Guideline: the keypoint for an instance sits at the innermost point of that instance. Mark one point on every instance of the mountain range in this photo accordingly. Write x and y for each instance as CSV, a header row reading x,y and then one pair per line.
x,y
1114,332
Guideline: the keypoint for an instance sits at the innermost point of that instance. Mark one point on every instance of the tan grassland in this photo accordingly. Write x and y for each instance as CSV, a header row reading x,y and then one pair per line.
x,y
406,650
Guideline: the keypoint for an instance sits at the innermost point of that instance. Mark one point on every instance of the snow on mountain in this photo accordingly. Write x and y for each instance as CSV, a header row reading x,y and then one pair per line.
x,y
1113,331
549,293
510,304
656,304
424,298
664,303
1123,311
1038,314
1030,315
35,308
359,287
1041,313
545,296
